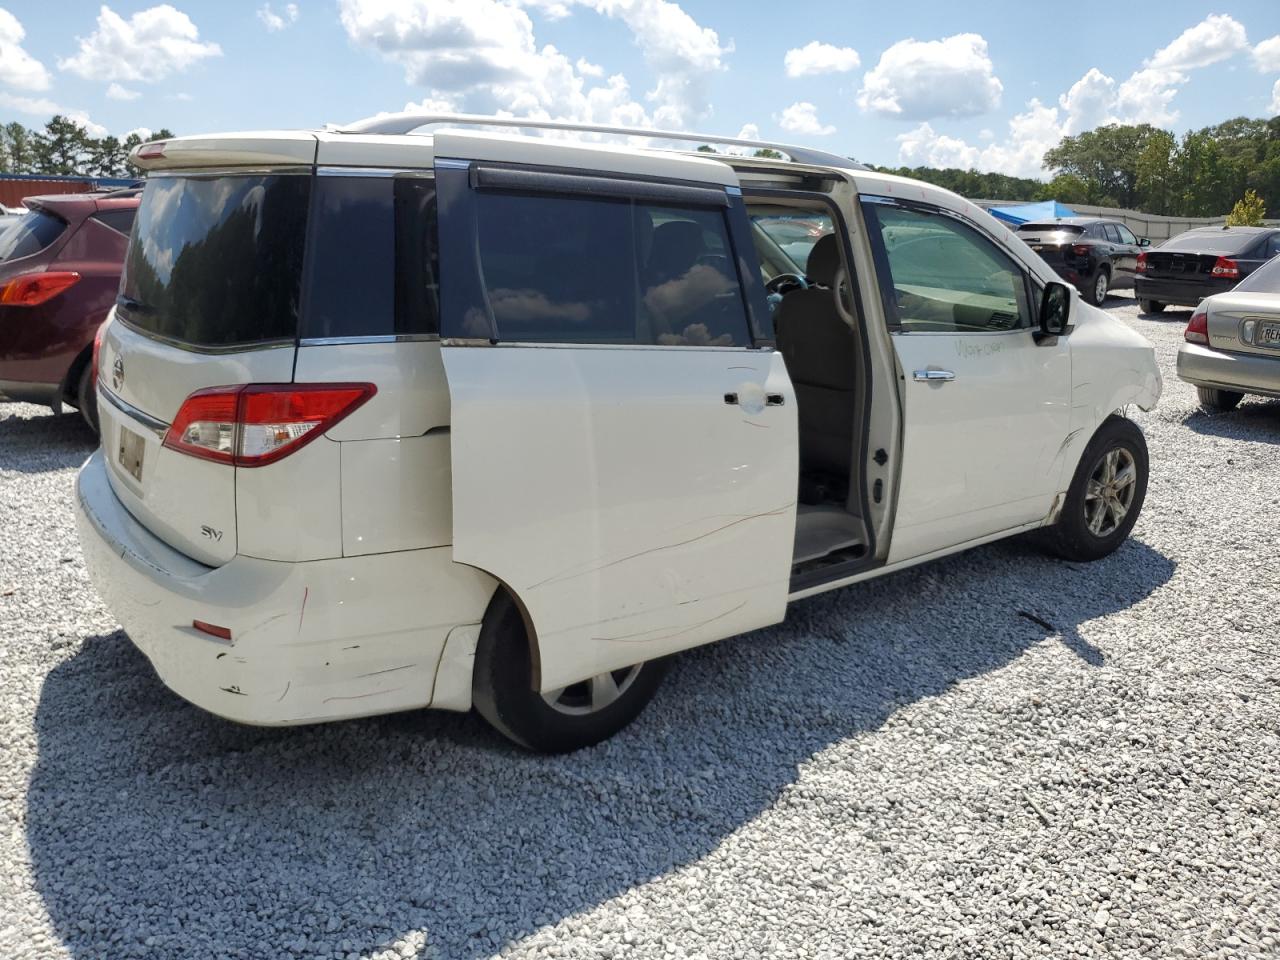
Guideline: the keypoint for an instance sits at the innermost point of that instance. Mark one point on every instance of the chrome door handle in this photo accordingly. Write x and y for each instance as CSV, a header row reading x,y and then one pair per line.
x,y
934,376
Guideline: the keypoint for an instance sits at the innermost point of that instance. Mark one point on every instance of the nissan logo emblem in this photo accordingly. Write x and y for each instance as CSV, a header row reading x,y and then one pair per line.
x,y
117,374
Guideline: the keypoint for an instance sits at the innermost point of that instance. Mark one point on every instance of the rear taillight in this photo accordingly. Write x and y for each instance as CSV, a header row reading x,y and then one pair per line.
x,y
1142,263
1198,327
258,423
151,151
1080,249
1226,268
33,289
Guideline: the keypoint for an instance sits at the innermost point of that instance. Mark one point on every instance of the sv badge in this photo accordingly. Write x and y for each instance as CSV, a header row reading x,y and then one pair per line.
x,y
210,533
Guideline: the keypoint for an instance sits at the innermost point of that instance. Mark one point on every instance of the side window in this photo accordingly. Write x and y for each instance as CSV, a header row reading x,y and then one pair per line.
x,y
121,221
1112,233
1126,235
568,269
940,275
1273,246
371,258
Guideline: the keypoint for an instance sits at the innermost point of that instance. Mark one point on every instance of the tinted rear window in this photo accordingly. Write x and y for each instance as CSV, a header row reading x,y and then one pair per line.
x,y
1051,228
217,261
118,220
1220,242
30,234
570,270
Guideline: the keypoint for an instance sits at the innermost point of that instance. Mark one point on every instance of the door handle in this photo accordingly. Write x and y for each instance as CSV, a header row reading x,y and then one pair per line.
x,y
933,376
774,399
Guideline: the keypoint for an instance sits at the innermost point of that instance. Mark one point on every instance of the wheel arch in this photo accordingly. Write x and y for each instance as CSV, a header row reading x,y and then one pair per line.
x,y
71,382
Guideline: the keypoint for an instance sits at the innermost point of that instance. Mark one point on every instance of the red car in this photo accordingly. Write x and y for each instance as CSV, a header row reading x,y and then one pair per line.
x,y
59,272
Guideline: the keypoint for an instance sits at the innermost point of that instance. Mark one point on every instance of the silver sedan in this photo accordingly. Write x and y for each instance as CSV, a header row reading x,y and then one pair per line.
x,y
1233,342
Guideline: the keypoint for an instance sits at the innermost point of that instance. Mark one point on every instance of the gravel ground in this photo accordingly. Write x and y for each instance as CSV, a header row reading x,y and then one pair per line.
x,y
912,767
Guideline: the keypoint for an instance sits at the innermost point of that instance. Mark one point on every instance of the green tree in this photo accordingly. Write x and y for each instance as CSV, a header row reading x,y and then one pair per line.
x,y
18,148
1066,187
62,147
1203,182
107,157
1105,158
768,154
1249,211
1157,173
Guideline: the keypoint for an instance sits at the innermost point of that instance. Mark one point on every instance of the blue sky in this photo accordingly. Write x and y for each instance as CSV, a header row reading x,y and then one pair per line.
x,y
988,85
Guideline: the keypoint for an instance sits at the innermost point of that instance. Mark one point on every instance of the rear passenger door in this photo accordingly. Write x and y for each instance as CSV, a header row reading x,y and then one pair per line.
x,y
623,435
1125,261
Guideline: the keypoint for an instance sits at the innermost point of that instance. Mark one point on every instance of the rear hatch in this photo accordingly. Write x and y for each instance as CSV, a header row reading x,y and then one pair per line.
x,y
1052,241
209,297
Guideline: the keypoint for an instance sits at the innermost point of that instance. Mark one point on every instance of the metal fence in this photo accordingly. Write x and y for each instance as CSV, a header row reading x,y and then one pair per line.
x,y
1155,228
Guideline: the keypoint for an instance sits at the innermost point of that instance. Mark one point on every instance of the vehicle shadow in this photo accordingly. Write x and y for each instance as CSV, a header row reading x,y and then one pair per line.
x,y
1256,419
147,818
44,442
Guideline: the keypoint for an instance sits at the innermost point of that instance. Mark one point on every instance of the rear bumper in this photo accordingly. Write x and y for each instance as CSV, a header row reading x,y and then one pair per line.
x,y
312,641
1238,372
1182,293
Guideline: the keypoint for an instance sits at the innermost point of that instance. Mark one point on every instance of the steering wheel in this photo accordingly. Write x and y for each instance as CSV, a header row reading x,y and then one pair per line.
x,y
784,283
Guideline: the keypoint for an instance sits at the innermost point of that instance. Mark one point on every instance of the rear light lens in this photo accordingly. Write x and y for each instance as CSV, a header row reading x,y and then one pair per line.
x,y
1142,263
1226,268
1080,249
151,151
258,423
33,289
1198,327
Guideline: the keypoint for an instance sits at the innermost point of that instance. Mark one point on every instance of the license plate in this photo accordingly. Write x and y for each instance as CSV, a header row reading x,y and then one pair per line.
x,y
130,451
1268,335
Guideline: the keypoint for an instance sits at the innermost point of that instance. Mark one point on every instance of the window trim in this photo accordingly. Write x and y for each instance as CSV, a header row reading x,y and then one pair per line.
x,y
884,272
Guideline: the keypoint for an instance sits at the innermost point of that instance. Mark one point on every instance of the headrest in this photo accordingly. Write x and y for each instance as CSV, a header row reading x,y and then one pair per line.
x,y
824,261
677,245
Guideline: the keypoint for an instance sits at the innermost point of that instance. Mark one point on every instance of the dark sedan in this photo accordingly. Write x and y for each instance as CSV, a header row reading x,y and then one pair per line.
x,y
59,271
1201,263
1091,254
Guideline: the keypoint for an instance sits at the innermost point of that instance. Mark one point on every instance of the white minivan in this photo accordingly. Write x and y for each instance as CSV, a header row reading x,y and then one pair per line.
x,y
392,420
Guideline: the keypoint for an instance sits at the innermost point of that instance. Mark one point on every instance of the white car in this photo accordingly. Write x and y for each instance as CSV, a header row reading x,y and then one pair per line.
x,y
480,419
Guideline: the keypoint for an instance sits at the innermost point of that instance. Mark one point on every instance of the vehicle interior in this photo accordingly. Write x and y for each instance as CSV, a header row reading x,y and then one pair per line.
x,y
804,272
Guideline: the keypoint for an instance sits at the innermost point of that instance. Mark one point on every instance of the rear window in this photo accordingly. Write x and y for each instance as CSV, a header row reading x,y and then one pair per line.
x,y
1072,228
1220,242
217,261
30,234
570,270
119,220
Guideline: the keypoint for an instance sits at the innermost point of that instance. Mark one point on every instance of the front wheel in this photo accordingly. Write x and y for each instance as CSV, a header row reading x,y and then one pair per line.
x,y
1151,306
570,718
1106,493
1097,291
1218,401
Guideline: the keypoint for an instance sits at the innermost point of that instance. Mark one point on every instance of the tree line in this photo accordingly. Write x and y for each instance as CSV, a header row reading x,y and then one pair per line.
x,y
1141,167
65,147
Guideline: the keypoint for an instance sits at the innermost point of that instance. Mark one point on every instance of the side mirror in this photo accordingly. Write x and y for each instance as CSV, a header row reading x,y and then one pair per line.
x,y
1055,312
1144,242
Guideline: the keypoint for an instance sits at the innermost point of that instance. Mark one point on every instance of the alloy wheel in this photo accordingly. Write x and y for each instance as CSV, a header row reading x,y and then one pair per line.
x,y
594,694
1110,492
1100,286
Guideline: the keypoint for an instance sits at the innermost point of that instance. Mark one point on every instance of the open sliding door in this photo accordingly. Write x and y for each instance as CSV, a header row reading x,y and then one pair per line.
x,y
623,434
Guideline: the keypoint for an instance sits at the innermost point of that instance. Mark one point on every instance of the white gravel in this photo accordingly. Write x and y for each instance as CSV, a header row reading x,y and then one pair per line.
x,y
912,767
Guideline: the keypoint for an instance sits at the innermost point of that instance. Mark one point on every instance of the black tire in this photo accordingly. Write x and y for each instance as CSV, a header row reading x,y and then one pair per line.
x,y
1218,401
1092,293
1072,537
503,691
1151,306
87,397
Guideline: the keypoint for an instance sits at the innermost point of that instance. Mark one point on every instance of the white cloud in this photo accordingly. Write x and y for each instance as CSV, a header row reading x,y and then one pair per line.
x,y
45,108
116,92
920,80
1215,38
1031,133
1266,55
483,56
818,58
1089,102
802,117
144,133
1274,107
273,21
149,46
17,67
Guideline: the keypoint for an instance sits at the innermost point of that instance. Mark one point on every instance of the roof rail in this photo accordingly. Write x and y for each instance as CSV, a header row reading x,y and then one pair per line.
x,y
400,123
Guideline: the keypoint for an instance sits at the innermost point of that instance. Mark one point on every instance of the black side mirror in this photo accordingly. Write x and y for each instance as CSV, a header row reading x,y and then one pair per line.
x,y
1144,242
1055,312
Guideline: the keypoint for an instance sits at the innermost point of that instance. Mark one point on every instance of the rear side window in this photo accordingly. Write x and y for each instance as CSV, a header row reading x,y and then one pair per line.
x,y
1112,233
568,269
121,221
30,234
217,261
372,260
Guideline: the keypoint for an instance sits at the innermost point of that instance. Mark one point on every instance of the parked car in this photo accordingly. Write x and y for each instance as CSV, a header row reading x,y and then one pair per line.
x,y
1232,343
1092,255
59,271
1200,263
336,479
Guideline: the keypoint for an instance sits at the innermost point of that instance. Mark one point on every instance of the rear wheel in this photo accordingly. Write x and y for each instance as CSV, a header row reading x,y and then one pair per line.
x,y
87,397
1106,493
572,717
1151,306
1097,291
1219,401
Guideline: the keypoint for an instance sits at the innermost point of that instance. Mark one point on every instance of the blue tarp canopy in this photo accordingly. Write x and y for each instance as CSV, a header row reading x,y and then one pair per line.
x,y
1027,212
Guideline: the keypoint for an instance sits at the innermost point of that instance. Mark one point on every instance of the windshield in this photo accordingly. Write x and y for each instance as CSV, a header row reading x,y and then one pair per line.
x,y
1266,279
796,234
217,261
1220,242
29,234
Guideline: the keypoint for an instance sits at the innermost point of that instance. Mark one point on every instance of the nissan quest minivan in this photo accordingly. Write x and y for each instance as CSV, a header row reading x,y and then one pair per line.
x,y
392,420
